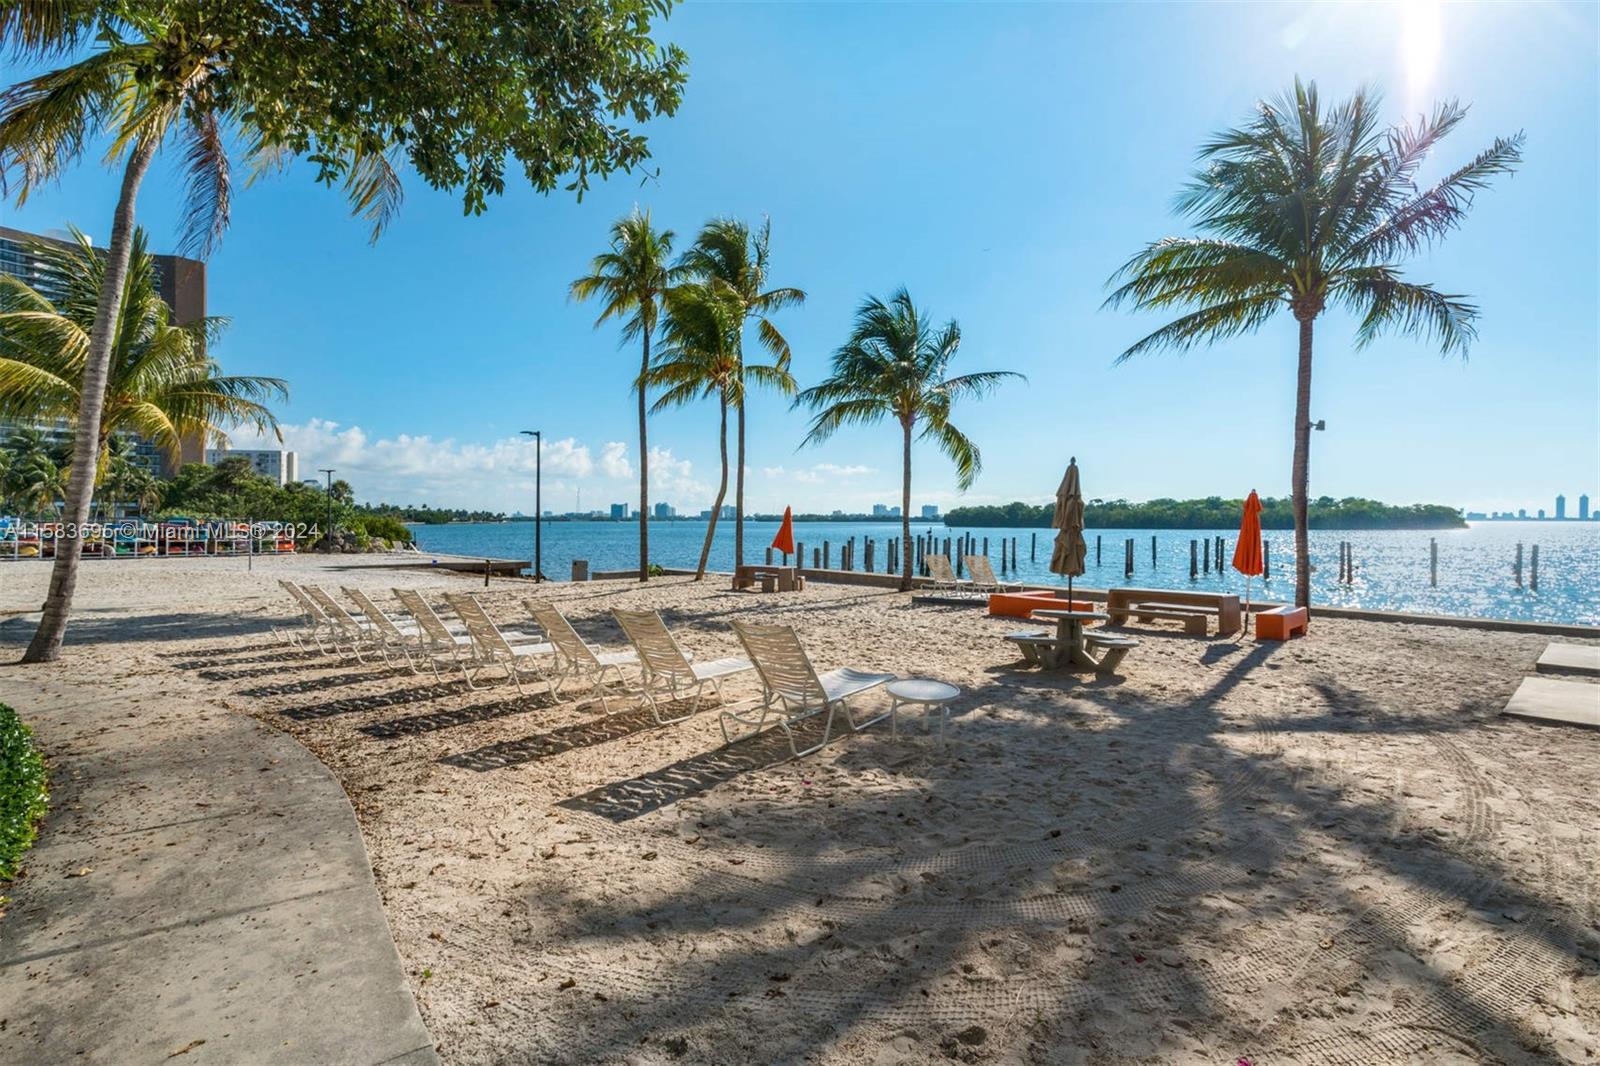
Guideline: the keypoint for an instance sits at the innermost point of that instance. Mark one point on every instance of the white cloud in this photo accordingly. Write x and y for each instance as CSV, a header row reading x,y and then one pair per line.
x,y
614,460
498,475
817,473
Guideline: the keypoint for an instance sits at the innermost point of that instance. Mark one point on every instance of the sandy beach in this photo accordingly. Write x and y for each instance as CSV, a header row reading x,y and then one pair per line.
x,y
1330,850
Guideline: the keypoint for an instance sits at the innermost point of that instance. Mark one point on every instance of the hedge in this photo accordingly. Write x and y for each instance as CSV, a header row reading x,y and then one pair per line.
x,y
22,791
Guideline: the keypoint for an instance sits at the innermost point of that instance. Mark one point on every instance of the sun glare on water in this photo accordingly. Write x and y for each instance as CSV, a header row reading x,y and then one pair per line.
x,y
1419,45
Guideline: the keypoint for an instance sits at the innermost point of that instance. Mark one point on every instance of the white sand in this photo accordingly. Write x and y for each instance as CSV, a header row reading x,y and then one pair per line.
x,y
1330,850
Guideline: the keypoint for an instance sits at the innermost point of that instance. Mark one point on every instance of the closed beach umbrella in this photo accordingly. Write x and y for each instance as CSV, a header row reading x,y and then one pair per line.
x,y
1247,553
1067,557
784,541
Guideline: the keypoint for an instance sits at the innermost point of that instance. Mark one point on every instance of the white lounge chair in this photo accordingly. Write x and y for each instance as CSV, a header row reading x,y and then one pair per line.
x,y
793,690
435,639
313,623
491,646
578,660
350,634
383,632
941,577
983,579
667,666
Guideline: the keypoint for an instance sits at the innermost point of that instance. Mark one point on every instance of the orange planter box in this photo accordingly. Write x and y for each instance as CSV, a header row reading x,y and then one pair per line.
x,y
1023,604
1281,623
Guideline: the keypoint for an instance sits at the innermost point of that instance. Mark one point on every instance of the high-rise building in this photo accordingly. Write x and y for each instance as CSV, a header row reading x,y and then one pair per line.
x,y
880,510
1583,507
619,510
275,463
180,282
664,510
930,510
1561,507
1541,514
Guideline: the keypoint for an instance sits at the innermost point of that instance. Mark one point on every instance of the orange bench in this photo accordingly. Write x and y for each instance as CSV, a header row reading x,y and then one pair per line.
x,y
1023,604
1281,623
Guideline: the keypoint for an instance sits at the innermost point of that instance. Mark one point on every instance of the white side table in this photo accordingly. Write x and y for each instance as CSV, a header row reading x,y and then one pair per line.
x,y
923,691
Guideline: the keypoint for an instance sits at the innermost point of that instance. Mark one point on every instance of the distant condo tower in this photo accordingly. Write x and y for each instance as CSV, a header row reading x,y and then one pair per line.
x,y
1583,508
1561,507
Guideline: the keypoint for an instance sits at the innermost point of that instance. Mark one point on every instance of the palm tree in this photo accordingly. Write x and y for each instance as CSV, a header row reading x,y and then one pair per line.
x,y
700,360
156,76
727,256
1303,206
894,366
32,479
632,278
160,383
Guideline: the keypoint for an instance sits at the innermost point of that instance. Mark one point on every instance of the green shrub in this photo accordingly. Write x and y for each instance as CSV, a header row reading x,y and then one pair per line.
x,y
383,527
22,791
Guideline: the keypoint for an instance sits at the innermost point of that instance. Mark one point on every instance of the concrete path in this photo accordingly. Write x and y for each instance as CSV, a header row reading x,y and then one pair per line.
x,y
199,892
1580,659
1563,702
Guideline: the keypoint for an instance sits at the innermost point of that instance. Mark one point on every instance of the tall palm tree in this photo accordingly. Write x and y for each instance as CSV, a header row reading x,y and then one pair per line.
x,y
32,479
729,257
894,366
632,278
701,360
156,76
160,383
1303,206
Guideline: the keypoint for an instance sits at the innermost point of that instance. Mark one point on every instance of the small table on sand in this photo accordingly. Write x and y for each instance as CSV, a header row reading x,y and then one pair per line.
x,y
926,692
1069,649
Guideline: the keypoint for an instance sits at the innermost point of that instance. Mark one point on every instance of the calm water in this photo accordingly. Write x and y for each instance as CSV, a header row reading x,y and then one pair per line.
x,y
1475,564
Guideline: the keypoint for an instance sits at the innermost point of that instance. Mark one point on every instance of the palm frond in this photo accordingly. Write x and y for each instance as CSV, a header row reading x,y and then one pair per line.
x,y
1387,303
46,120
960,449
208,191
1213,323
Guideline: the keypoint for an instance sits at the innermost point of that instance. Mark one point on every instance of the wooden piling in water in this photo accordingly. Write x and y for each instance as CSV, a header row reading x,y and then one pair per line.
x,y
1194,559
1206,565
1152,551
1266,559
1127,558
1433,562
1533,569
827,556
1517,569
1097,549
1033,547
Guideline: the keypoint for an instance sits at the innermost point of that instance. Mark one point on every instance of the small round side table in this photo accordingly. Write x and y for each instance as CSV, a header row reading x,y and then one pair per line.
x,y
926,692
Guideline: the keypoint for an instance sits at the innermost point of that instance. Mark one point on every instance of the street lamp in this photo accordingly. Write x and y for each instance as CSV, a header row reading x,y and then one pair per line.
x,y
538,502
328,537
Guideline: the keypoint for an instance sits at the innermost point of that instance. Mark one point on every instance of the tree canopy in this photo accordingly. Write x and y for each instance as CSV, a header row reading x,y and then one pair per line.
x,y
1215,512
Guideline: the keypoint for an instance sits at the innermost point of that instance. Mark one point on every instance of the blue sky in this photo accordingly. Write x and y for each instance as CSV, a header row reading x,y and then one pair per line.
x,y
1000,161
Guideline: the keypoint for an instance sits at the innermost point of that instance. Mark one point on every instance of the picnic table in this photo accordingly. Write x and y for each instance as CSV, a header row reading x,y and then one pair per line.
x,y
1070,645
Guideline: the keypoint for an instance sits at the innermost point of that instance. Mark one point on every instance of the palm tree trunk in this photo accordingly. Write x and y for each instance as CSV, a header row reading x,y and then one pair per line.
x,y
46,644
722,492
644,469
738,493
1301,474
905,511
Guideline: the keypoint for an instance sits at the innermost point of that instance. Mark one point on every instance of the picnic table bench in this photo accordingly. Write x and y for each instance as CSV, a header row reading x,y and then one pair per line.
x,y
770,578
1193,609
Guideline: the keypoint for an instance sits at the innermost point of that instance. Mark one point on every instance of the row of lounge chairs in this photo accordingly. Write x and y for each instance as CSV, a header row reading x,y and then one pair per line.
x,y
942,577
792,689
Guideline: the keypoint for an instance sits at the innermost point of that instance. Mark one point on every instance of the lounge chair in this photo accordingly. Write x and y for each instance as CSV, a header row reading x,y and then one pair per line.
x,y
312,621
491,646
383,632
983,579
668,666
349,633
435,639
792,689
578,659
941,577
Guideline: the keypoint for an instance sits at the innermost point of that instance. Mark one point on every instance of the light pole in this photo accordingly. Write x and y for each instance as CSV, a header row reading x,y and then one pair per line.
x,y
538,502
328,537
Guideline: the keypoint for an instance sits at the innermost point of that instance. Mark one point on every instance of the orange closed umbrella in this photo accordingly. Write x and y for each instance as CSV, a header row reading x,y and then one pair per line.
x,y
784,541
1247,553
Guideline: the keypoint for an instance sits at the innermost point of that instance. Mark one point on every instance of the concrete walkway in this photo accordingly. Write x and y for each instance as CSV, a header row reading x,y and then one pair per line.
x,y
199,892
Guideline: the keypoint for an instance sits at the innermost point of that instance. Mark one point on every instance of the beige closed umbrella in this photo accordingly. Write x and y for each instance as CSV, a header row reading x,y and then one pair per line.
x,y
1070,551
